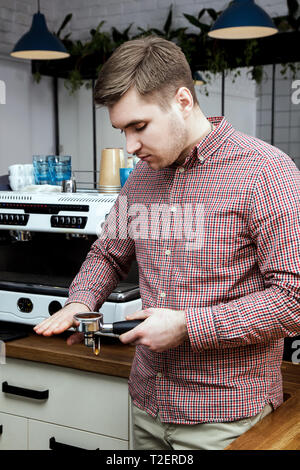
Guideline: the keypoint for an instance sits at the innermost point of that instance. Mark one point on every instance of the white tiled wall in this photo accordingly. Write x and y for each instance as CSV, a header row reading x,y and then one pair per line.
x,y
286,113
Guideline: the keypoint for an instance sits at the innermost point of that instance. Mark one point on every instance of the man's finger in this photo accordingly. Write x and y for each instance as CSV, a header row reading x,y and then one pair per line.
x,y
130,336
75,338
139,315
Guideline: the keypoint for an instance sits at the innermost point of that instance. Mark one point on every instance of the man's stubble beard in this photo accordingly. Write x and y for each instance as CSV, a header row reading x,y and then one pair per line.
x,y
177,140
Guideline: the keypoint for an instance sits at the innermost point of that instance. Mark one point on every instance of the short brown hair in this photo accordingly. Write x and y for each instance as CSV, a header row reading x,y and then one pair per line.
x,y
151,64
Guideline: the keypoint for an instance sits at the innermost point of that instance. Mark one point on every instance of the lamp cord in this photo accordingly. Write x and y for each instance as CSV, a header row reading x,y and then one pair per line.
x,y
38,2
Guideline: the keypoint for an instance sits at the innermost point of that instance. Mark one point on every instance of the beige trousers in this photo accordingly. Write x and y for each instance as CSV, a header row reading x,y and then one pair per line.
x,y
151,434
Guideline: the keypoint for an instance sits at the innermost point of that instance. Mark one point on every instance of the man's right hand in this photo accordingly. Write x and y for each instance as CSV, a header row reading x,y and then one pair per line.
x,y
62,321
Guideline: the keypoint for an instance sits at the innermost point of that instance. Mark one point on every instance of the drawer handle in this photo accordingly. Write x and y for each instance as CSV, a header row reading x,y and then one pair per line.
x,y
1,429
25,392
55,445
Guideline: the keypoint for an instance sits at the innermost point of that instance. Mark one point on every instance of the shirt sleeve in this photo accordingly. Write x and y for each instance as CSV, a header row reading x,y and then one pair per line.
x,y
273,312
108,260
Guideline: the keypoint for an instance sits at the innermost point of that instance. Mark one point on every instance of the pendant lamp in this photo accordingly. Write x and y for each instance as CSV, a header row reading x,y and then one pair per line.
x,y
198,78
39,43
243,19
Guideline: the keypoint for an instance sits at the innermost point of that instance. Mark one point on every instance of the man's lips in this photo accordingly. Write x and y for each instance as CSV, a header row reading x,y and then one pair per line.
x,y
144,157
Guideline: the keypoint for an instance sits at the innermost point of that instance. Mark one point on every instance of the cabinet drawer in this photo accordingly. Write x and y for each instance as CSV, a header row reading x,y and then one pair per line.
x,y
84,400
13,432
62,438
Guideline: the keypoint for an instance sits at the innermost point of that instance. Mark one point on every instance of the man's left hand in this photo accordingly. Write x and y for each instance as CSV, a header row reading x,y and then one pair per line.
x,y
161,330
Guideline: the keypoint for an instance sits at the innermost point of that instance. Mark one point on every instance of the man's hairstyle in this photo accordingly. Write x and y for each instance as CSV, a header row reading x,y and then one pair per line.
x,y
155,67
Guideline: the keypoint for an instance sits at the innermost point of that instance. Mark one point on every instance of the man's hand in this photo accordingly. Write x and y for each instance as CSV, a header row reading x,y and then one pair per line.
x,y
62,321
161,330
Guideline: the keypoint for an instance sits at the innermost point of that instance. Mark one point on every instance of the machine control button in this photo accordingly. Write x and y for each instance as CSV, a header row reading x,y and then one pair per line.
x,y
68,222
14,219
25,305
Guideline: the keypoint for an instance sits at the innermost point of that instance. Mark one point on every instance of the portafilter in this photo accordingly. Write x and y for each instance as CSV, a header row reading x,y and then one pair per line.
x,y
92,326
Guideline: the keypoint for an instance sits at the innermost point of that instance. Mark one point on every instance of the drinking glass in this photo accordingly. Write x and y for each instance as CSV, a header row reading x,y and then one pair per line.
x,y
60,168
41,169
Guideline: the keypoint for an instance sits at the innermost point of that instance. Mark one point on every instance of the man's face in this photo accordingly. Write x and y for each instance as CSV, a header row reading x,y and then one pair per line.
x,y
156,136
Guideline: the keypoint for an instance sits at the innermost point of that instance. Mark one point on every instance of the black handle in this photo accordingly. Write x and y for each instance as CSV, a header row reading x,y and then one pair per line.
x,y
25,392
120,327
55,445
1,429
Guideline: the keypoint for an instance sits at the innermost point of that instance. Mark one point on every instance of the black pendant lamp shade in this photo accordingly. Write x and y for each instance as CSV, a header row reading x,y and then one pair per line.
x,y
243,19
39,43
198,78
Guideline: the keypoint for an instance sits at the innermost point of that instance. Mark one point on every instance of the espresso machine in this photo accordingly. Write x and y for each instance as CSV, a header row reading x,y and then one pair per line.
x,y
44,239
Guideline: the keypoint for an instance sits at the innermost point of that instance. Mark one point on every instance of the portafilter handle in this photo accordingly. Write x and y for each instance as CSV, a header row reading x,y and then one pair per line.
x,y
120,327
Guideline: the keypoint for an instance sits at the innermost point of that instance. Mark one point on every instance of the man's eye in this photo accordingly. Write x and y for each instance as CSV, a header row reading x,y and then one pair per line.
x,y
139,129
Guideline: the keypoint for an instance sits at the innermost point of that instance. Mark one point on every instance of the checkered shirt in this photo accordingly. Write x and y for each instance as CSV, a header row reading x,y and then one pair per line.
x,y
238,198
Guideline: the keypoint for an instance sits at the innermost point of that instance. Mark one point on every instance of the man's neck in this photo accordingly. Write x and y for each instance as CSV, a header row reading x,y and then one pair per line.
x,y
200,127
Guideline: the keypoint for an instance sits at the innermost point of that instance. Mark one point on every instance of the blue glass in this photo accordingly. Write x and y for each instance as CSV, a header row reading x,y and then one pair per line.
x,y
124,173
41,169
60,168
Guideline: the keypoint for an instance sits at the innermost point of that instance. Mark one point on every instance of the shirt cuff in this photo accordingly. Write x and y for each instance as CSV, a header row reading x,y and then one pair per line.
x,y
83,297
201,328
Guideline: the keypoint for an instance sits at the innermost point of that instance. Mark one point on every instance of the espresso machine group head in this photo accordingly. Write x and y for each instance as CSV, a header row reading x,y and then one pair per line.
x,y
92,326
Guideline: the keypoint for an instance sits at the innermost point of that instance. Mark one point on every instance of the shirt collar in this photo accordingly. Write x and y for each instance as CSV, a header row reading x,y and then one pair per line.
x,y
207,146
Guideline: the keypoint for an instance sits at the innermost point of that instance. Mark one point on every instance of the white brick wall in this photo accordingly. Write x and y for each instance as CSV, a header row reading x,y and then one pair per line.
x,y
143,13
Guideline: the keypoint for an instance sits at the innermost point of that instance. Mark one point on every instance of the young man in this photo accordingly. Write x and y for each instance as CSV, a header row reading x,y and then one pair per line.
x,y
217,242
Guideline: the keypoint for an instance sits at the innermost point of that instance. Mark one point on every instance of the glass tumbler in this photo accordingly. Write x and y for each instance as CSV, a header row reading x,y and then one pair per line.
x,y
40,169
60,168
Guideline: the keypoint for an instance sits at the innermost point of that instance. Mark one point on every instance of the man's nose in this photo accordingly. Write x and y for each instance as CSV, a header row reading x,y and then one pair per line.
x,y
133,145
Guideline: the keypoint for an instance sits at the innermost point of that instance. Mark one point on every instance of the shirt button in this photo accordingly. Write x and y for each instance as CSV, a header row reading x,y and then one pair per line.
x,y
201,158
180,169
163,294
173,209
168,252
159,375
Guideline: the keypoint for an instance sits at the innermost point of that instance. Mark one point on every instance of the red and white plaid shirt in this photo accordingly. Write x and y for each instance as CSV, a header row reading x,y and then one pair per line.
x,y
240,288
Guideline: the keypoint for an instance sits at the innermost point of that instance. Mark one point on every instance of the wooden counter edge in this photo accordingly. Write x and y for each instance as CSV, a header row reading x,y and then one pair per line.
x,y
114,360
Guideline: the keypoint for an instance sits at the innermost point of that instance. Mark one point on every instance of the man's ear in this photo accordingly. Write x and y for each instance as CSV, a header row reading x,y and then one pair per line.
x,y
185,101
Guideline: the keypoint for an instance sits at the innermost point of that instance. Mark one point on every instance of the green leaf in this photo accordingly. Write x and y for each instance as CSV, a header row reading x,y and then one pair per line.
x,y
194,21
201,13
64,23
168,22
157,31
212,13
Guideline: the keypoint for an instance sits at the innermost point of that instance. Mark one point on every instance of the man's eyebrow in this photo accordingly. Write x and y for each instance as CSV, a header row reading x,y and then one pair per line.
x,y
131,123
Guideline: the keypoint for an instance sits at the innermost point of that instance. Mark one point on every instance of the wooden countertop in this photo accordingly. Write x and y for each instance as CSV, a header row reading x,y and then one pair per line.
x,y
278,431
114,359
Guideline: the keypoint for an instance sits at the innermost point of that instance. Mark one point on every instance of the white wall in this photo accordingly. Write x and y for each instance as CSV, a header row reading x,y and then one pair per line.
x,y
240,100
287,113
26,119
